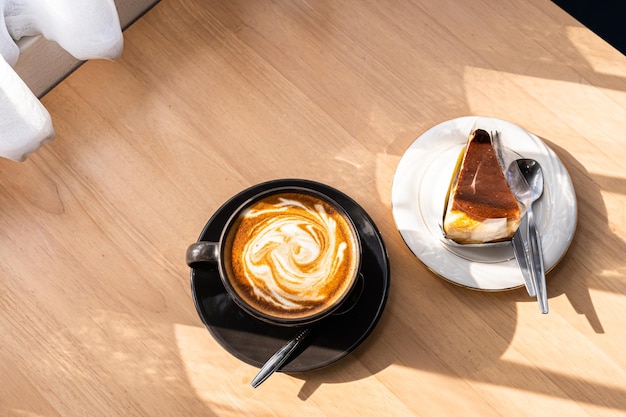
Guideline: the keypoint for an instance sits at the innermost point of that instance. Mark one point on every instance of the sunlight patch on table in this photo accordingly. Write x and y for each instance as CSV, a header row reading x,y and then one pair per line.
x,y
227,393
204,360
14,412
385,168
557,364
549,107
615,207
602,57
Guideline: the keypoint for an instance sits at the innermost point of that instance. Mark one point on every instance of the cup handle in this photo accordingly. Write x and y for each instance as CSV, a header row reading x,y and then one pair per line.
x,y
203,255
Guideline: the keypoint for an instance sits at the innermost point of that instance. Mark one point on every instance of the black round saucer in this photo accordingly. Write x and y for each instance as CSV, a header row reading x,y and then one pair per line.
x,y
254,341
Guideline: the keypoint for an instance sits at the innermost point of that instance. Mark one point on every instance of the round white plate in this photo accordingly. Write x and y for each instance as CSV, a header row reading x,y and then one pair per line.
x,y
418,196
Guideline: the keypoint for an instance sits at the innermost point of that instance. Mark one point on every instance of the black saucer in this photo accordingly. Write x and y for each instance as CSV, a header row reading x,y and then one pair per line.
x,y
254,341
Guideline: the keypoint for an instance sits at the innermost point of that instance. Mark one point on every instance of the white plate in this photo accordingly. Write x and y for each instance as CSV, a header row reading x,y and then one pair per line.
x,y
419,190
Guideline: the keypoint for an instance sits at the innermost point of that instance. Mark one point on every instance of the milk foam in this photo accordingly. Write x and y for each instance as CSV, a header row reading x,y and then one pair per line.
x,y
293,253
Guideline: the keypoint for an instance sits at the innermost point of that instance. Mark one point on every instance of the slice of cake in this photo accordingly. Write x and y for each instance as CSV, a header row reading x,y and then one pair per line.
x,y
480,206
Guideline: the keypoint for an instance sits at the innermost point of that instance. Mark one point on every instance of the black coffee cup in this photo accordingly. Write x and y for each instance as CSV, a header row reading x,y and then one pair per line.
x,y
289,256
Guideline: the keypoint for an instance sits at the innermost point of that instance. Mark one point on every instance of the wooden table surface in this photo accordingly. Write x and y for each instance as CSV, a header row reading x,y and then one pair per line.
x,y
211,97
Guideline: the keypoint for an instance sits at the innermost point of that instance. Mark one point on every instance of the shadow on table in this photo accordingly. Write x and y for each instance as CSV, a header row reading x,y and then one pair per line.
x,y
580,270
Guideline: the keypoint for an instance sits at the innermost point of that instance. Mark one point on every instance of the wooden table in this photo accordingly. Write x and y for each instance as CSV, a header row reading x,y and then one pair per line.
x,y
212,97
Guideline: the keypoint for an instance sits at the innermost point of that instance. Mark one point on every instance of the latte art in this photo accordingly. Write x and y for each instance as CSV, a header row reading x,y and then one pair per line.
x,y
293,255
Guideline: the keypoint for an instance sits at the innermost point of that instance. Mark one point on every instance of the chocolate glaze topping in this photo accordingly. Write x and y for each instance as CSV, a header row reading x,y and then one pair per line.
x,y
482,191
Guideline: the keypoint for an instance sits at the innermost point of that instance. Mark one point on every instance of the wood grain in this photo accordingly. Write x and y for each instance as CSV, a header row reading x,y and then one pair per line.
x,y
211,97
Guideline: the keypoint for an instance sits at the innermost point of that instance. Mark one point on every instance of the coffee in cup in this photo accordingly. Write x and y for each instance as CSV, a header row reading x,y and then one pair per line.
x,y
288,256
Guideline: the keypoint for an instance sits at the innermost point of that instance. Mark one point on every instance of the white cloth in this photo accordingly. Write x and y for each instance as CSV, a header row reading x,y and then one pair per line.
x,y
87,29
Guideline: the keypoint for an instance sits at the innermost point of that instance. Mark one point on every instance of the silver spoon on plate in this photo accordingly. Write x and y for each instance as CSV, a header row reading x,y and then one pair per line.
x,y
527,242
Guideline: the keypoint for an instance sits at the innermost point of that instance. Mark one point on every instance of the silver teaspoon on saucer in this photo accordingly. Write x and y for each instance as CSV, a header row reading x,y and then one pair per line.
x,y
278,359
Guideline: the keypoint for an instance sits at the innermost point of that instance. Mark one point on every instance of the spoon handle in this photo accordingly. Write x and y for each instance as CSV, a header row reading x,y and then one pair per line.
x,y
539,273
278,359
521,249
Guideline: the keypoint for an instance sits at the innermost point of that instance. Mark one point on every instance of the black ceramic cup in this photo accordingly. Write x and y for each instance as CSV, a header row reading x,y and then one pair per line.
x,y
289,256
